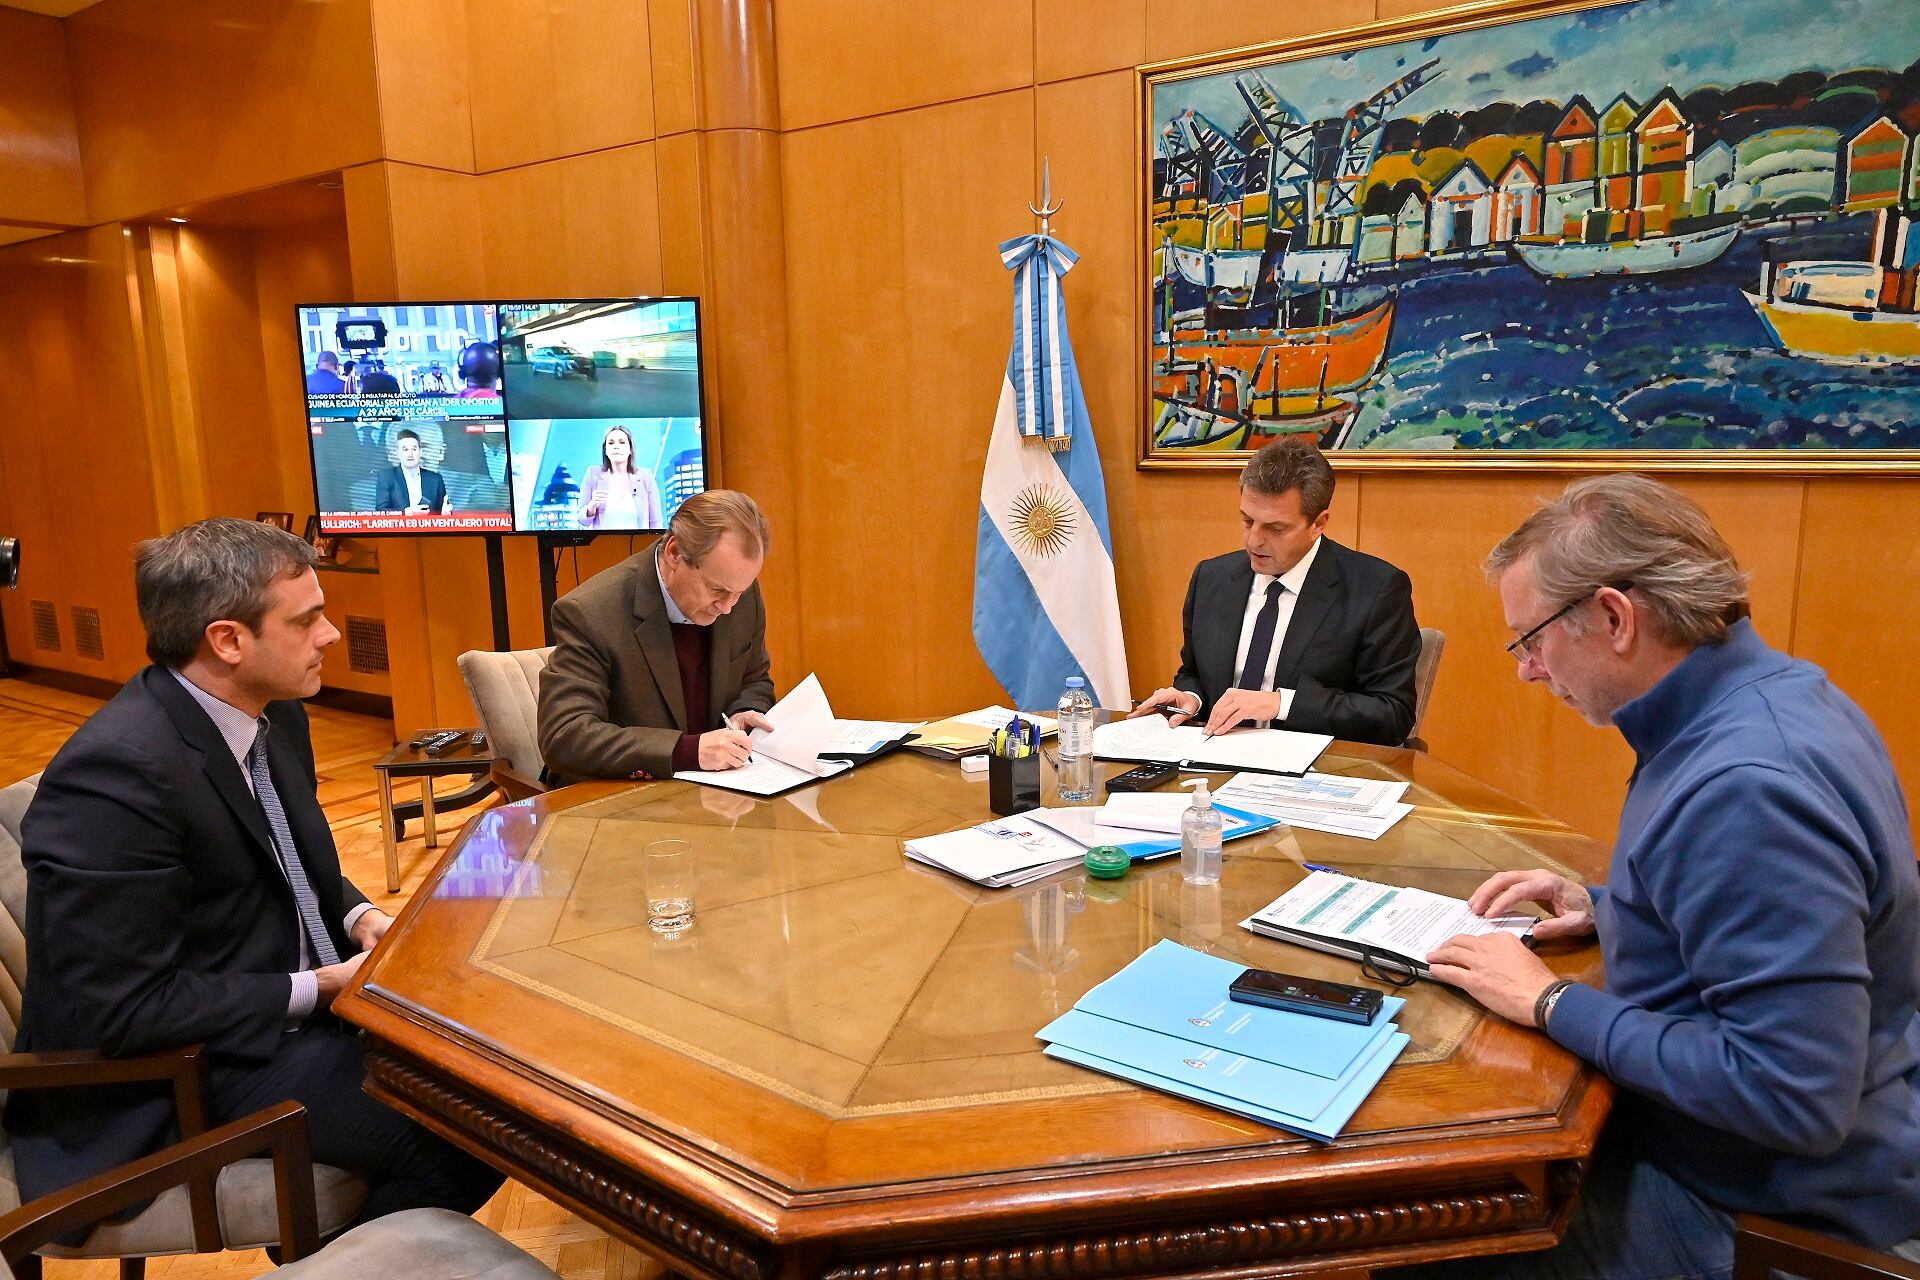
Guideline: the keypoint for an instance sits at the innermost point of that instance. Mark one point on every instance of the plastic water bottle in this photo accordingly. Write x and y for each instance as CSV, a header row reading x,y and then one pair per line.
x,y
1200,837
1076,742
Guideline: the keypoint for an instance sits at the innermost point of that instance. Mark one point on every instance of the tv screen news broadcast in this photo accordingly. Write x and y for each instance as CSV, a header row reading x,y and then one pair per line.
x,y
495,417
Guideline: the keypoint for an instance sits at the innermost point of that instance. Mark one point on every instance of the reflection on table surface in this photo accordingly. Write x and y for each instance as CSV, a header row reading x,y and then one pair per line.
x,y
828,982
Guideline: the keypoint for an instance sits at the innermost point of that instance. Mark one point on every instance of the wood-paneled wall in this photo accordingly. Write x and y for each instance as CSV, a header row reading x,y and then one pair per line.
x,y
832,176
40,179
900,176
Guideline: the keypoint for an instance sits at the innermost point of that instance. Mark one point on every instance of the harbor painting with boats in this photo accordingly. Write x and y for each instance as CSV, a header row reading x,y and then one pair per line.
x,y
1635,227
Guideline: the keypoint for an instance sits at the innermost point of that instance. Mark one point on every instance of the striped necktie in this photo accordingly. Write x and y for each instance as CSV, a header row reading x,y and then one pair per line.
x,y
289,860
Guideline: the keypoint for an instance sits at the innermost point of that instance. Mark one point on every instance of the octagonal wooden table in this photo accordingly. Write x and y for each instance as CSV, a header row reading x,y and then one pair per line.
x,y
834,1071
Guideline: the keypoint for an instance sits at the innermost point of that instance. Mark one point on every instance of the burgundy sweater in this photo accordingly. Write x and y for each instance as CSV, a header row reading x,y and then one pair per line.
x,y
693,646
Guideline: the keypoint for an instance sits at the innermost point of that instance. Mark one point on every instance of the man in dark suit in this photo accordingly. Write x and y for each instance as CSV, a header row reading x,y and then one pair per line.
x,y
1296,630
182,887
661,662
410,487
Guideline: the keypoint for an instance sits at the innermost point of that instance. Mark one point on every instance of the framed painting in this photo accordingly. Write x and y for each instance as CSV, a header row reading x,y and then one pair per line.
x,y
1545,234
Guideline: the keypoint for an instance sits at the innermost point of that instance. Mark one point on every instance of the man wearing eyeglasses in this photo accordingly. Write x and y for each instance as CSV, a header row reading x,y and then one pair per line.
x,y
660,663
1761,917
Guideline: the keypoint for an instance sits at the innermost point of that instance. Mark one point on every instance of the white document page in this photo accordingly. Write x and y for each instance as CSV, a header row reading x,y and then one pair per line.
x,y
1407,922
1158,811
1360,826
785,755
1152,738
859,737
802,726
762,775
1083,826
998,718
1003,852
1322,792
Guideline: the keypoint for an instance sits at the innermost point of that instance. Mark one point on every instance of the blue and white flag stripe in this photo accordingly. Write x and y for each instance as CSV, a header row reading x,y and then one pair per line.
x,y
1042,357
1045,605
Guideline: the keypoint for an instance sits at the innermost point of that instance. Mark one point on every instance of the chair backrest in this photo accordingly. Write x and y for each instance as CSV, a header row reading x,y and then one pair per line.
x,y
505,688
1433,642
13,896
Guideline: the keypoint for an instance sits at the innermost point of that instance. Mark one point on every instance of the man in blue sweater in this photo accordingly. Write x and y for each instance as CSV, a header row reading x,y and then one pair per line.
x,y
1761,916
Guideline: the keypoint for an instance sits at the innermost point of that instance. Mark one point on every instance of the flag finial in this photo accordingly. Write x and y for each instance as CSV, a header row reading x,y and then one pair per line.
x,y
1048,205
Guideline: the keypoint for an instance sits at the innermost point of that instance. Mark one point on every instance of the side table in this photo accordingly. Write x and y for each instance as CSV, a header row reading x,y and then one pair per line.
x,y
407,762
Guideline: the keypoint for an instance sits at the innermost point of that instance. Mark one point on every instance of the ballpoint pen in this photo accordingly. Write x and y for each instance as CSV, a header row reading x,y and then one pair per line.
x,y
728,722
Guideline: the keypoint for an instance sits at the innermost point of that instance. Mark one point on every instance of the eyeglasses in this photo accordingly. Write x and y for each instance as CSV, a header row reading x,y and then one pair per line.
x,y
1524,648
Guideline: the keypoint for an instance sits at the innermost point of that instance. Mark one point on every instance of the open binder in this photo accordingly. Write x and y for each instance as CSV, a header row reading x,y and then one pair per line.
x,y
1151,740
1389,929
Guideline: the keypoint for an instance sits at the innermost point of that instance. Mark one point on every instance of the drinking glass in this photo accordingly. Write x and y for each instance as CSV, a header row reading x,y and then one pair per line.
x,y
669,880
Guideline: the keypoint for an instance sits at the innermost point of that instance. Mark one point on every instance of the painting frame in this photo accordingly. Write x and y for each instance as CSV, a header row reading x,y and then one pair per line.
x,y
1477,15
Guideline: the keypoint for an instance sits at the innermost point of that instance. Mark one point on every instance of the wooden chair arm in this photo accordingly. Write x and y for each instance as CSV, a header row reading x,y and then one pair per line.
x,y
513,784
1761,1244
280,1129
186,1068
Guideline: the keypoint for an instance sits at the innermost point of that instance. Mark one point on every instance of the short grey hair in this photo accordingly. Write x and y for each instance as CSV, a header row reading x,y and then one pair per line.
x,y
1291,463
208,572
702,519
1607,530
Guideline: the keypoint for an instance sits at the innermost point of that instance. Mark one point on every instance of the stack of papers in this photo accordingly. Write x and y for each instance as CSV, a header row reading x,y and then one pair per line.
x,y
1165,1021
1374,922
1151,740
1362,807
1028,846
966,734
805,745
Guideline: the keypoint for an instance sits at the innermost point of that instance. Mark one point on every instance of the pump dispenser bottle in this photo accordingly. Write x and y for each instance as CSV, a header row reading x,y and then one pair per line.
x,y
1200,837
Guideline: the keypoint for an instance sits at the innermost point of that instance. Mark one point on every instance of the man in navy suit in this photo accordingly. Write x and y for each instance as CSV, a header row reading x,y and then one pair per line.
x,y
1295,630
183,888
410,487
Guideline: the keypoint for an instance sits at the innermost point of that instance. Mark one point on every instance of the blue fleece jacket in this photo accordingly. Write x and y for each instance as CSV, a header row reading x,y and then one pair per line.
x,y
1761,929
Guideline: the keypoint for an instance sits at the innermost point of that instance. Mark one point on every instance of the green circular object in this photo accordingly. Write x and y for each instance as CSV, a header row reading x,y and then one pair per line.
x,y
1107,862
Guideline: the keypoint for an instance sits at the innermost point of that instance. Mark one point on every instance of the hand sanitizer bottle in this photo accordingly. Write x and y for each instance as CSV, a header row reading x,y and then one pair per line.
x,y
1200,837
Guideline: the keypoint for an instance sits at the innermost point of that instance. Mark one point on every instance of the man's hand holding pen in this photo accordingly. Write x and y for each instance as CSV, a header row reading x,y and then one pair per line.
x,y
1177,705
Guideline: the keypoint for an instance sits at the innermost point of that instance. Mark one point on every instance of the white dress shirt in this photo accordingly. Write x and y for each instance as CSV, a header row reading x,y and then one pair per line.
x,y
413,486
238,730
1290,584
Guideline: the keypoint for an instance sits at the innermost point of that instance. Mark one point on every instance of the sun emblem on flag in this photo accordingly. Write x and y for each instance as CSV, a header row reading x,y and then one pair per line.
x,y
1042,519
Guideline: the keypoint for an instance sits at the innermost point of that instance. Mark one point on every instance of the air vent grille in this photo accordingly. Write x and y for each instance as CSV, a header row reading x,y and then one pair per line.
x,y
46,625
366,645
87,641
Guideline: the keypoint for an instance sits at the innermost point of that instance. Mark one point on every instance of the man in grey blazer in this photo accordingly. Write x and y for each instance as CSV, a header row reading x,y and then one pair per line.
x,y
660,663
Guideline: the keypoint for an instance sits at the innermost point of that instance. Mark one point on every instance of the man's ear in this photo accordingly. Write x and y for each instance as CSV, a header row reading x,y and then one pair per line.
x,y
1319,525
1622,620
223,637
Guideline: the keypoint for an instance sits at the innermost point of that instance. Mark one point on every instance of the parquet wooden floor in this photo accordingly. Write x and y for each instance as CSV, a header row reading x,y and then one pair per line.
x,y
35,720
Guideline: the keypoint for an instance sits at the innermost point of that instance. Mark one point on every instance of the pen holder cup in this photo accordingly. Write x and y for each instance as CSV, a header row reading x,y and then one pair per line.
x,y
1013,783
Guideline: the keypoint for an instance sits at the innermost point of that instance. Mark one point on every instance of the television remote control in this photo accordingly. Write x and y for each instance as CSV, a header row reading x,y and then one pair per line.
x,y
1141,777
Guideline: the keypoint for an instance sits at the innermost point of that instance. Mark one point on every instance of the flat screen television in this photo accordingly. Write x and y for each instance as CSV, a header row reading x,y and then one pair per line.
x,y
548,416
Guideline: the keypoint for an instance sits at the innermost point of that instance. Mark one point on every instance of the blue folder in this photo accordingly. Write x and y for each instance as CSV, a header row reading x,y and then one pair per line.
x,y
1181,992
1235,823
1324,1127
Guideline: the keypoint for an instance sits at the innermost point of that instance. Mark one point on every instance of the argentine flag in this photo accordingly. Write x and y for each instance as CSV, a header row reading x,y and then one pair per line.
x,y
1044,602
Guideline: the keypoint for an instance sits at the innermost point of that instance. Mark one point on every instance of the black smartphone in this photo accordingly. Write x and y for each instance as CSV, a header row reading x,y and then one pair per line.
x,y
1144,777
1307,995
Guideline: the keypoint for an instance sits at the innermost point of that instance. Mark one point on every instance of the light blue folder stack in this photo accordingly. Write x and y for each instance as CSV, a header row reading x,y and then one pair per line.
x,y
1165,1021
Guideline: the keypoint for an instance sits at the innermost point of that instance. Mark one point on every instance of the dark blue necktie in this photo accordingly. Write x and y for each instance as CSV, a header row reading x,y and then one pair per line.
x,y
1254,673
303,896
